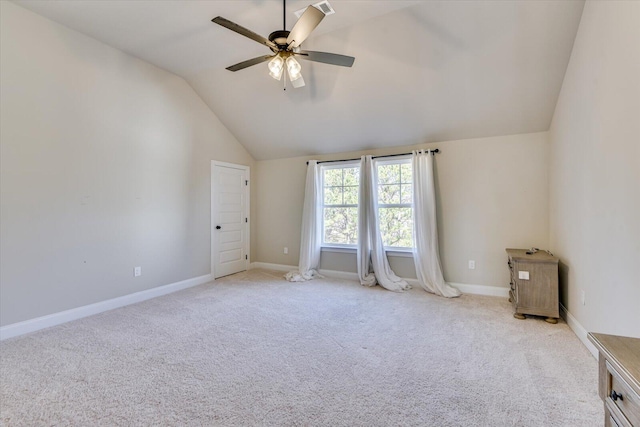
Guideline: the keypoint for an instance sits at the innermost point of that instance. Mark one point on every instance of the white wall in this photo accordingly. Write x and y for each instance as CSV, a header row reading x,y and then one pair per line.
x,y
595,171
492,194
105,164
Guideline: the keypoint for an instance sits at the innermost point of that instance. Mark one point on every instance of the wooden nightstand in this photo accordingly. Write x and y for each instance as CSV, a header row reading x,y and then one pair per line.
x,y
619,378
534,284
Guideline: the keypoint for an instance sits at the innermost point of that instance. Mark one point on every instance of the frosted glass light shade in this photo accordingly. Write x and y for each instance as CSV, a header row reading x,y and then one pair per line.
x,y
276,67
299,82
293,68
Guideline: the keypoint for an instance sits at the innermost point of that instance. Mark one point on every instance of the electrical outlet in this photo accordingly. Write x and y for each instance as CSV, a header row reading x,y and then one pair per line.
x,y
472,264
137,271
286,250
583,297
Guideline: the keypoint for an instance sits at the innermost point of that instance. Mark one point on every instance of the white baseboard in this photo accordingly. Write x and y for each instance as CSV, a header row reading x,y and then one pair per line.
x,y
32,325
465,288
578,329
280,267
269,266
494,291
343,275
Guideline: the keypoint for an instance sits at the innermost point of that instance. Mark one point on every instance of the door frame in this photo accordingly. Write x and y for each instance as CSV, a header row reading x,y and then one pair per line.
x,y
247,226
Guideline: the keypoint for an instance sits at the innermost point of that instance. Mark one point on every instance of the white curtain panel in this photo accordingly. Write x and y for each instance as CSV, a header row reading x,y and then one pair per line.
x,y
369,236
425,229
365,268
310,233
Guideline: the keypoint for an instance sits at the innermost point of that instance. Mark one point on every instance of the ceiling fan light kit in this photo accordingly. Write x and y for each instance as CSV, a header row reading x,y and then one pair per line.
x,y
276,67
285,45
293,68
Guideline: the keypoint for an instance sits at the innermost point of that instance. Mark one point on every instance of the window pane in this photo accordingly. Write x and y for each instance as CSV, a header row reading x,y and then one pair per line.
x,y
388,174
396,226
405,194
341,225
333,195
332,177
406,171
388,194
351,176
351,195
340,187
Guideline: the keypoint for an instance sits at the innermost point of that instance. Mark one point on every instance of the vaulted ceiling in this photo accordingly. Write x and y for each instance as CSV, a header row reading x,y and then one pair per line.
x,y
425,71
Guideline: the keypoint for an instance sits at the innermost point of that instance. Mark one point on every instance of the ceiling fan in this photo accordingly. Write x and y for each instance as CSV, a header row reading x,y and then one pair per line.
x,y
285,46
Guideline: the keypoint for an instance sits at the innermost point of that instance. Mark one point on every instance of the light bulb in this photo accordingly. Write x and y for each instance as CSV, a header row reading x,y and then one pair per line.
x,y
276,67
294,68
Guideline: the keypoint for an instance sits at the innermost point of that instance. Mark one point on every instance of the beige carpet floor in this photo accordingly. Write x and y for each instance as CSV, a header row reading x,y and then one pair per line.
x,y
252,349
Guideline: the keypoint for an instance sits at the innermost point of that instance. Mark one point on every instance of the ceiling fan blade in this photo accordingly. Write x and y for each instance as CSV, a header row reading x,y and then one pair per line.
x,y
249,63
305,25
243,31
327,58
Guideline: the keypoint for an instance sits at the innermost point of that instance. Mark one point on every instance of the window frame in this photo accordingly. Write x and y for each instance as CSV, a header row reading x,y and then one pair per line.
x,y
399,160
336,165
400,251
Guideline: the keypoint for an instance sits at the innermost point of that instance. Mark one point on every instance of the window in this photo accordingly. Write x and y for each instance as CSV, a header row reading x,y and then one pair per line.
x,y
340,187
340,204
395,212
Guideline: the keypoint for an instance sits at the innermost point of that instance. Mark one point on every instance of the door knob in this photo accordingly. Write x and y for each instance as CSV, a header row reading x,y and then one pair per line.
x,y
218,227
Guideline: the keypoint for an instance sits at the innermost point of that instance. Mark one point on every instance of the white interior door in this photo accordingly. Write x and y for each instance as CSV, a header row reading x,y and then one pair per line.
x,y
229,218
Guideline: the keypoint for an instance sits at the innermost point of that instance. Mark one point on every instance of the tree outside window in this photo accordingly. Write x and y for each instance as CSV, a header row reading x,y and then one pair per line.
x,y
395,212
340,204
340,187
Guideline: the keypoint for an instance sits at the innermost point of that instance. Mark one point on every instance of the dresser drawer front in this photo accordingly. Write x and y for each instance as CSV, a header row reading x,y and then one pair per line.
x,y
629,402
614,417
612,422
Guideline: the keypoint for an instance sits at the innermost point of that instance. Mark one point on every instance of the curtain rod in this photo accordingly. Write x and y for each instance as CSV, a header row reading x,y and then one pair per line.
x,y
375,157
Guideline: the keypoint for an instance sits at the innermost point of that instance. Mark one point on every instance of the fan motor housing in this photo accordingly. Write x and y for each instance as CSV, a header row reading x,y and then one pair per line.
x,y
279,38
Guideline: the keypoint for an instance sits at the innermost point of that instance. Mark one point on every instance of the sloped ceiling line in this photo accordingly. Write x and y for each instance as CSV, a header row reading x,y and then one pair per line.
x,y
424,71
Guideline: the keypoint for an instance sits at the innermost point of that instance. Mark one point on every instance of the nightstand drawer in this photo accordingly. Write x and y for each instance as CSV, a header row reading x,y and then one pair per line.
x,y
621,395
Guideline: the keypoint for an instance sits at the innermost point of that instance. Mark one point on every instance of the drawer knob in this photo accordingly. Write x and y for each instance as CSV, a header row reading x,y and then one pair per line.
x,y
615,396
